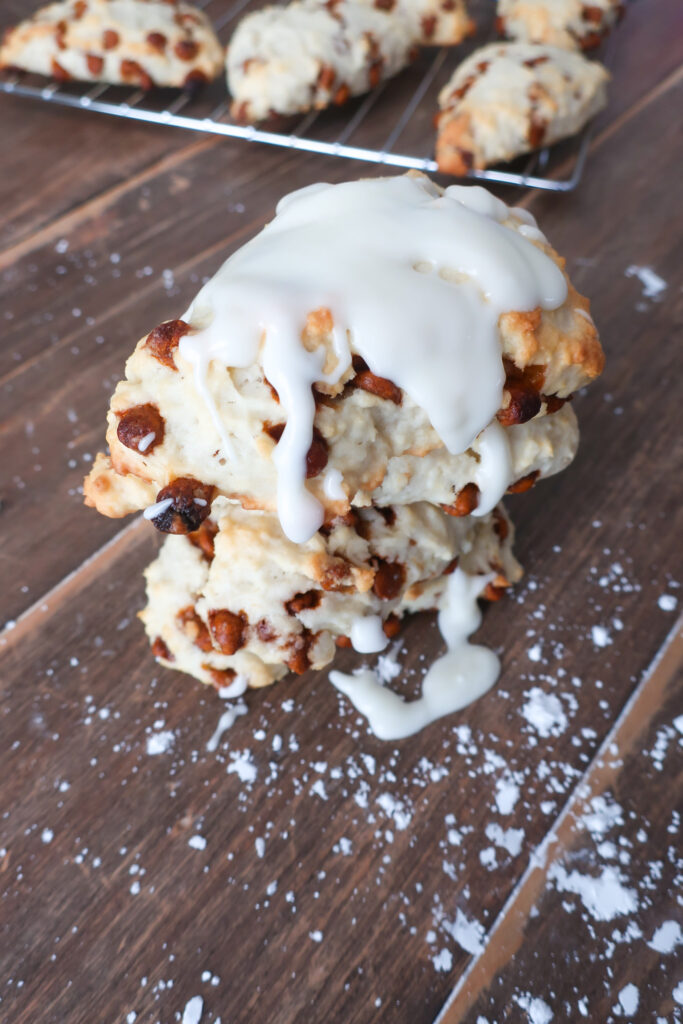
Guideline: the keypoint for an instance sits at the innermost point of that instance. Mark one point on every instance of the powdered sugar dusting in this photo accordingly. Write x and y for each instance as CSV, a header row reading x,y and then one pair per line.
x,y
160,742
536,1009
604,896
544,712
467,932
653,285
667,937
628,999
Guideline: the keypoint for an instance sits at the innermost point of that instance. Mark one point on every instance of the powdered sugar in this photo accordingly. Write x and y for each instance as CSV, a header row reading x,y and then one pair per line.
x,y
467,932
536,1009
667,937
653,285
604,896
544,712
628,999
160,742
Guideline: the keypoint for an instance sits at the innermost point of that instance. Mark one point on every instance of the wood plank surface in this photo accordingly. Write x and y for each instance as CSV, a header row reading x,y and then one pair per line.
x,y
307,871
593,880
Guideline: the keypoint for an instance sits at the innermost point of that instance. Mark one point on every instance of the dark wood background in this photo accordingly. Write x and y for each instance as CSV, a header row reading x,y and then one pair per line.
x,y
337,878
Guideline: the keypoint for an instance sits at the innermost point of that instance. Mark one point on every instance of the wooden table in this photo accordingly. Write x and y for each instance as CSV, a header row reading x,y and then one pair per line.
x,y
519,860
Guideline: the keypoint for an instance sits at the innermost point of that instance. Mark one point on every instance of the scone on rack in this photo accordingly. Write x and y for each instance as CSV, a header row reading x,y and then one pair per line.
x,y
238,599
307,56
510,98
570,24
433,22
123,42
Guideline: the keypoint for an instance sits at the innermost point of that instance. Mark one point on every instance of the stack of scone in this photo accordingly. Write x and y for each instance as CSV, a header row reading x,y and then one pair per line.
x,y
326,434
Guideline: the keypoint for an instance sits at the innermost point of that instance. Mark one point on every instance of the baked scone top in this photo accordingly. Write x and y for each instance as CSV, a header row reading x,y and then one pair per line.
x,y
307,55
346,354
571,24
138,42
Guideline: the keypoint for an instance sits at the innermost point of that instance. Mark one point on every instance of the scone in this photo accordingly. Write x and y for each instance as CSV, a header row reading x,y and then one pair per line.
x,y
238,599
510,98
349,408
571,24
326,433
127,42
306,56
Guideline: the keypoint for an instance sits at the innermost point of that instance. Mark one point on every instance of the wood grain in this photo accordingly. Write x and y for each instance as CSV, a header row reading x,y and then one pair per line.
x,y
345,880
622,805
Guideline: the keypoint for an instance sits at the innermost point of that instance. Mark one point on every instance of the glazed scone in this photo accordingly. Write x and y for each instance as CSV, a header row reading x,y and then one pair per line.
x,y
127,42
182,414
510,98
239,599
570,24
306,56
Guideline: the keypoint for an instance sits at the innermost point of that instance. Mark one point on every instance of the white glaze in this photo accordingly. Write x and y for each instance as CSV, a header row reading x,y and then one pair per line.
x,y
146,441
225,722
367,635
461,675
585,315
415,280
234,689
494,470
332,485
157,509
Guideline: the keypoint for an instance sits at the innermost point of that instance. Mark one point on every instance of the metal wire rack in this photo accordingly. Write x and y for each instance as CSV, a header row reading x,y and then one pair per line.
x,y
358,131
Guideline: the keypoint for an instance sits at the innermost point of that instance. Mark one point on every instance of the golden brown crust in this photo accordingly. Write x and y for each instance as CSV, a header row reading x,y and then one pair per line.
x,y
455,146
114,494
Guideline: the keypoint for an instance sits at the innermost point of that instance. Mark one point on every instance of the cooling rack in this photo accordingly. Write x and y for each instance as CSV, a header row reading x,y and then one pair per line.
x,y
392,125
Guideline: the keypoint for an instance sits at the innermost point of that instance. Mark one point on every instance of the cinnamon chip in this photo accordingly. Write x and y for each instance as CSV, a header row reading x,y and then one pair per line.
x,y
525,483
227,630
110,39
298,661
220,677
301,602
60,73
95,63
389,579
131,71
379,386
195,628
163,341
524,404
141,428
391,626
157,40
465,502
204,537
160,650
190,505
186,49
